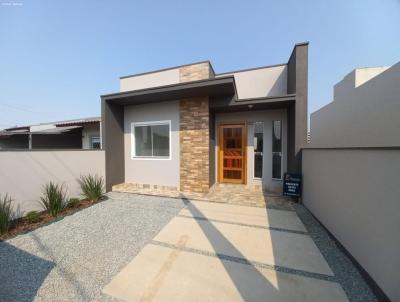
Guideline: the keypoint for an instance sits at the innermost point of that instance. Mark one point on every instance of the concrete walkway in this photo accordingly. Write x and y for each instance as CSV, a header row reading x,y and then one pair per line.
x,y
222,252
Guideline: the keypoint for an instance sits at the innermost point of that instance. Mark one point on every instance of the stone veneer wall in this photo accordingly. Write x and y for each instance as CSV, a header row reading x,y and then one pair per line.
x,y
194,145
195,72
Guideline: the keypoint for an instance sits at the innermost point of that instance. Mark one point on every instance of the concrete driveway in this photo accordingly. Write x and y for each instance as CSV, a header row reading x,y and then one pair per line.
x,y
221,252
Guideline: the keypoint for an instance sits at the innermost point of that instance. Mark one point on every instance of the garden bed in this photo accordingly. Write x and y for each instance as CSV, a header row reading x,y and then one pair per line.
x,y
21,225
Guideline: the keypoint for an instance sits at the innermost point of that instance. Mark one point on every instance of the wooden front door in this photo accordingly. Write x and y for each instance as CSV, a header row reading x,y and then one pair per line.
x,y
232,153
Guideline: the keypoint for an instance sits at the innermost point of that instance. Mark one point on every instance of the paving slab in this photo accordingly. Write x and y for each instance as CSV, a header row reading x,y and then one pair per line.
x,y
163,274
291,250
245,215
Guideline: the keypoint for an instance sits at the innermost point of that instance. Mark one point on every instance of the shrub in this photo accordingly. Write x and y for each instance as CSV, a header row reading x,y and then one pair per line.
x,y
73,202
92,187
6,213
53,199
32,217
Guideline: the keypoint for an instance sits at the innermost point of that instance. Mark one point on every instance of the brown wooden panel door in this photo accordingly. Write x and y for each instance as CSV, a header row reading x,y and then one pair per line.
x,y
232,157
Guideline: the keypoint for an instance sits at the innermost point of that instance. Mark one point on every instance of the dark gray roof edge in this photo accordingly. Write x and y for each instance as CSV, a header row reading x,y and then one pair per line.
x,y
250,69
285,96
117,94
209,63
302,43
168,68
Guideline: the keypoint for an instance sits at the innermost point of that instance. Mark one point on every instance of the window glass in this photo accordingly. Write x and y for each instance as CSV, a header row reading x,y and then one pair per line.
x,y
276,137
143,143
276,166
277,150
258,148
160,140
95,142
152,140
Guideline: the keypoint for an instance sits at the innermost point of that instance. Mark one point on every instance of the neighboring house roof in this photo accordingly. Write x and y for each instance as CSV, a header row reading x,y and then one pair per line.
x,y
50,128
89,120
57,130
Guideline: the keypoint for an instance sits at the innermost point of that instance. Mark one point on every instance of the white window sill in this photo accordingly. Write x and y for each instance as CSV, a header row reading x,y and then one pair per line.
x,y
150,158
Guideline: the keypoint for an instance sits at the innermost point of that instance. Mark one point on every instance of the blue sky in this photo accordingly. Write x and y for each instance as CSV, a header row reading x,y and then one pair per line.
x,y
58,57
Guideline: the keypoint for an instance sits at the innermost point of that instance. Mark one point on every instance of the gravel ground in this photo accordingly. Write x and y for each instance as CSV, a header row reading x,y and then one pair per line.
x,y
345,272
74,258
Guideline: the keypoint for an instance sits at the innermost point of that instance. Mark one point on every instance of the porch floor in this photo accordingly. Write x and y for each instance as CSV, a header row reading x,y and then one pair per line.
x,y
223,193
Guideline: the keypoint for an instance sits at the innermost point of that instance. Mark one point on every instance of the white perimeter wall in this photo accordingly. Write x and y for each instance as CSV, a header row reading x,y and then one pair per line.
x,y
356,195
24,173
364,116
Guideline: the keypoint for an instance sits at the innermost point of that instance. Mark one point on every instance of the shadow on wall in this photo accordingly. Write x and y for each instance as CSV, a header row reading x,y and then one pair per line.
x,y
276,88
21,273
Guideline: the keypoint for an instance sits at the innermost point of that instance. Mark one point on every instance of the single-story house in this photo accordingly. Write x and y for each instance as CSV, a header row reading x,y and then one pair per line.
x,y
188,128
72,134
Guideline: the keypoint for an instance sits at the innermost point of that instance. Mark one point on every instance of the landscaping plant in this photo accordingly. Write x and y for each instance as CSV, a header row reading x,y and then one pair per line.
x,y
92,187
6,213
53,199
73,202
32,217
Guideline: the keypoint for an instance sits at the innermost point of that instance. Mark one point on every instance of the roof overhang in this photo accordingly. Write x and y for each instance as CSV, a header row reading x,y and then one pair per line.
x,y
58,130
217,87
264,103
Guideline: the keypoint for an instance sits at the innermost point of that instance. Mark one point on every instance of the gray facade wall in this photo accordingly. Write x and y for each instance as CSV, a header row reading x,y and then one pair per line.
x,y
250,117
260,82
163,172
24,173
355,194
154,79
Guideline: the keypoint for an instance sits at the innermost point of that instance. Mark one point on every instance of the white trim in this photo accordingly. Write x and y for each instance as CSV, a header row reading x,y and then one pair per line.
x,y
133,149
91,137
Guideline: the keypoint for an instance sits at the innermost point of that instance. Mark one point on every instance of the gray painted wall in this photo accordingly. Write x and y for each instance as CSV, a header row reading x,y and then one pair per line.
x,y
355,194
361,115
154,79
23,173
262,82
152,171
267,116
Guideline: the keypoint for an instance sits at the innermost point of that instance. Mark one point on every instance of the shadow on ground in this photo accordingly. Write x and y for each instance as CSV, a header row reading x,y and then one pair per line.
x,y
21,273
249,285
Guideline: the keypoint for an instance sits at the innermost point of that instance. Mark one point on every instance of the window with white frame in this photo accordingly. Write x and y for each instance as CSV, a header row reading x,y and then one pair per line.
x,y
277,150
151,139
94,142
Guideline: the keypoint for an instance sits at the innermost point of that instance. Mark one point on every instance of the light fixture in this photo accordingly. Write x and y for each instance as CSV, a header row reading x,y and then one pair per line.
x,y
250,106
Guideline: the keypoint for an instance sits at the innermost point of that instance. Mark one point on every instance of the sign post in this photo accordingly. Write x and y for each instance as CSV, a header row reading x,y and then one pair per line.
x,y
292,185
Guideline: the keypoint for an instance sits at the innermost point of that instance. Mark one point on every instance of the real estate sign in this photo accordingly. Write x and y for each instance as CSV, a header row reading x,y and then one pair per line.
x,y
292,185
